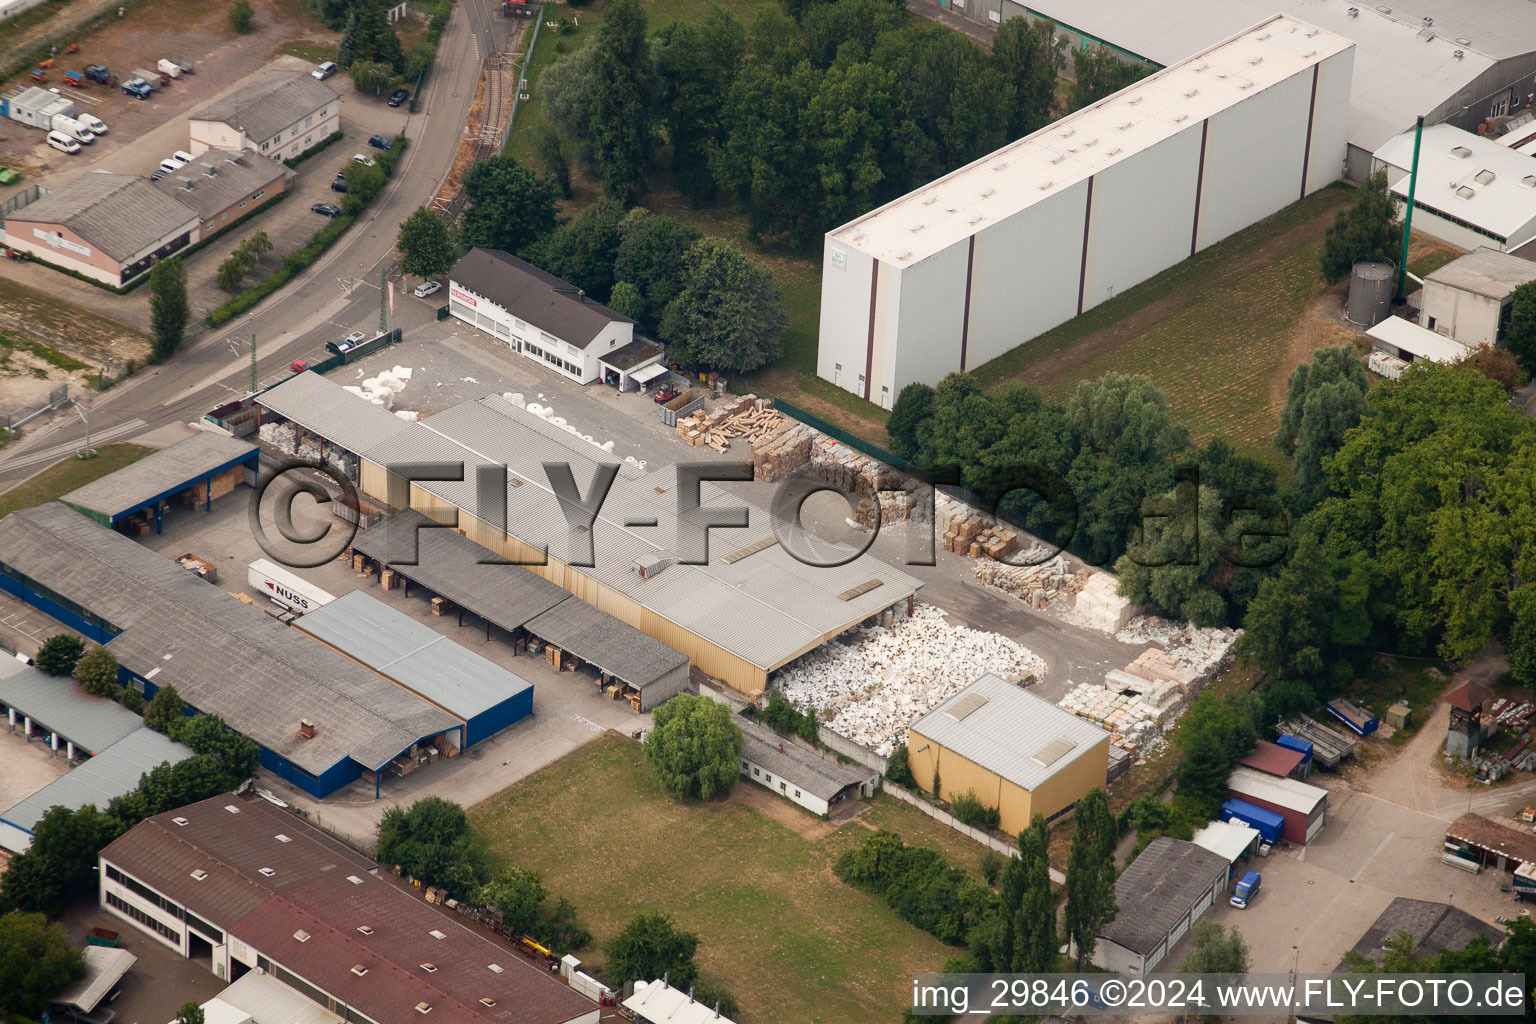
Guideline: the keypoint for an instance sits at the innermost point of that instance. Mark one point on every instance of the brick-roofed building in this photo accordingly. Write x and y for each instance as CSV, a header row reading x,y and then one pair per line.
x,y
107,227
536,314
1161,894
280,115
223,185
240,885
1273,759
1490,844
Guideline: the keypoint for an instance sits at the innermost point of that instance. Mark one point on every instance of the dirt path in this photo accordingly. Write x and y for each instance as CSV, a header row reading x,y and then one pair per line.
x,y
785,813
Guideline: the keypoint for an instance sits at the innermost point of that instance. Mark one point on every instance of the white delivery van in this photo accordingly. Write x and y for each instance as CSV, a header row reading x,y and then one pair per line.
x,y
94,123
286,588
74,129
171,164
169,67
63,143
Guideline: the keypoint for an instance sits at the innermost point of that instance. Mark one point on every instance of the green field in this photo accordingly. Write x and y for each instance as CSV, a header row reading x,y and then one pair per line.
x,y
752,875
69,473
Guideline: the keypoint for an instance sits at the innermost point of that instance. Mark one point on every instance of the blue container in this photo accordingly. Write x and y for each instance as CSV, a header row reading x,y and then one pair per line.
x,y
1297,743
1269,824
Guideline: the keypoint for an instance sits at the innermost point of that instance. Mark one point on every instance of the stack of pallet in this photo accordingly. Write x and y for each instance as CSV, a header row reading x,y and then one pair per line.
x,y
693,428
978,536
1129,719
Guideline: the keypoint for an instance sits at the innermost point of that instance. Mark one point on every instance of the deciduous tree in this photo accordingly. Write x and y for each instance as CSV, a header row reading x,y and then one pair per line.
x,y
164,710
1324,399
36,963
433,840
1520,335
651,946
517,893
510,205
582,251
695,67
373,76
1215,950
96,672
426,248
729,314
651,257
694,747
59,865
1098,72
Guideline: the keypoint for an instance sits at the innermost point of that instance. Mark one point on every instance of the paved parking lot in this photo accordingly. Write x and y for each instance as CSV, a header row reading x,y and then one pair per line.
x,y
159,983
29,765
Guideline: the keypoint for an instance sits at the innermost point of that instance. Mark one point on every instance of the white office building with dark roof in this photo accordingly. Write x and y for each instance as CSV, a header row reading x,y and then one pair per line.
x,y
545,319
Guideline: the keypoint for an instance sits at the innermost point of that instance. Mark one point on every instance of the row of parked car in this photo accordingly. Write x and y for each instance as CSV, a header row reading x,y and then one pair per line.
x,y
68,134
326,69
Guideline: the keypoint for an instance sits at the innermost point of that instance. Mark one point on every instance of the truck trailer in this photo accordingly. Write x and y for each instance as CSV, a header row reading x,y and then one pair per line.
x,y
286,589
1268,824
1358,719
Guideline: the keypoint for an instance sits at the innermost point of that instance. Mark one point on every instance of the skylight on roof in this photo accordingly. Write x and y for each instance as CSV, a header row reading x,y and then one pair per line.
x,y
301,935
282,838
1466,192
429,968
1053,751
495,968
966,706
354,880
1484,177
232,809
199,875
437,934
1460,152
179,820
363,929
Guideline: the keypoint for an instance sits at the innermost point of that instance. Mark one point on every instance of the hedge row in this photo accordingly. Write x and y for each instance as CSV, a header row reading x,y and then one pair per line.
x,y
294,161
919,885
305,257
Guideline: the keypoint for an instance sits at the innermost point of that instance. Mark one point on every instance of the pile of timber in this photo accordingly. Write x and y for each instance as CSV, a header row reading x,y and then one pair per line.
x,y
749,417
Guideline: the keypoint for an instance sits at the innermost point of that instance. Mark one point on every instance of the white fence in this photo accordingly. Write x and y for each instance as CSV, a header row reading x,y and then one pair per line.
x,y
943,817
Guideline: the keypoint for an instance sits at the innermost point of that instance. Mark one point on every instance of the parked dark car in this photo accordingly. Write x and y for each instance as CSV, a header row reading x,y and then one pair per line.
x,y
340,182
398,97
160,172
326,209
380,142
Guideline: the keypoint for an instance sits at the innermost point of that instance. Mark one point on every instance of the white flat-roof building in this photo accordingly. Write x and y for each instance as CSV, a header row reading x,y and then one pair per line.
x,y
1410,343
1472,192
1230,840
1469,299
1003,249
1459,62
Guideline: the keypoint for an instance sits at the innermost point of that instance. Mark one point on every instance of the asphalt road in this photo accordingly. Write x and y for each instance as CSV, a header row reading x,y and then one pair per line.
x,y
337,295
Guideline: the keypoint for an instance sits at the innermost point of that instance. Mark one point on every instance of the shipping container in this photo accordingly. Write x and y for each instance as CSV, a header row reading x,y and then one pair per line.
x,y
1269,824
285,588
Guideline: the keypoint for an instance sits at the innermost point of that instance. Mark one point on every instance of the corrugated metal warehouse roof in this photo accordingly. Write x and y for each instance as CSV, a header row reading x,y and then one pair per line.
x,y
614,646
1089,141
455,567
160,473
267,105
104,968
321,406
262,997
216,180
58,705
1156,890
660,1003
1272,759
1226,839
118,213
1433,926
223,656
540,298
414,655
1287,793
111,773
1008,730
814,774
766,609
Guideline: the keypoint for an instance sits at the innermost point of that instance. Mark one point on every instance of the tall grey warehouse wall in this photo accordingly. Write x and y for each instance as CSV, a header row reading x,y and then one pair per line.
x,y
886,325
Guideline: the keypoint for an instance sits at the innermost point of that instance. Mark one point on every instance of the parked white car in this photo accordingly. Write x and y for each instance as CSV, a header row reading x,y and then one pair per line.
x,y
183,156
170,165
427,288
94,123
325,70
363,158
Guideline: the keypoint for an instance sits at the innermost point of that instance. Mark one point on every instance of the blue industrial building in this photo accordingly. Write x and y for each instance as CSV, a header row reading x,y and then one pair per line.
x,y
195,468
320,719
485,697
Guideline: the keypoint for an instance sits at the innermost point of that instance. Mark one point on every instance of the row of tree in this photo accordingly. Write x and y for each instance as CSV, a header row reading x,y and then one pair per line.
x,y
804,118
1014,928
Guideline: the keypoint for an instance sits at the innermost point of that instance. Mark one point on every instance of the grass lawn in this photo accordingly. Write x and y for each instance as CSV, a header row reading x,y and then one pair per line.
x,y
777,928
69,473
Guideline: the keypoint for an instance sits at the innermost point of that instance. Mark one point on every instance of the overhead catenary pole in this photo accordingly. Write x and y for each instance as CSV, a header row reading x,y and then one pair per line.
x,y
1413,181
383,308
253,362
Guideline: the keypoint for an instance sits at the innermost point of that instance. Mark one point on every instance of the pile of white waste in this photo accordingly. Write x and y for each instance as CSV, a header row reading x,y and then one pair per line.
x,y
284,437
381,390
547,414
1204,651
871,690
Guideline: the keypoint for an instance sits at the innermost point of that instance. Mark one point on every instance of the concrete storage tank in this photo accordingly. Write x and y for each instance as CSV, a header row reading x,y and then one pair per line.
x,y
1370,293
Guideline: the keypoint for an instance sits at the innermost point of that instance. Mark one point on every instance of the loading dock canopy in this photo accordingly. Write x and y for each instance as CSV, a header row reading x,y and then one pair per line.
x,y
599,639
416,656
58,706
161,475
458,569
512,597
104,968
649,372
